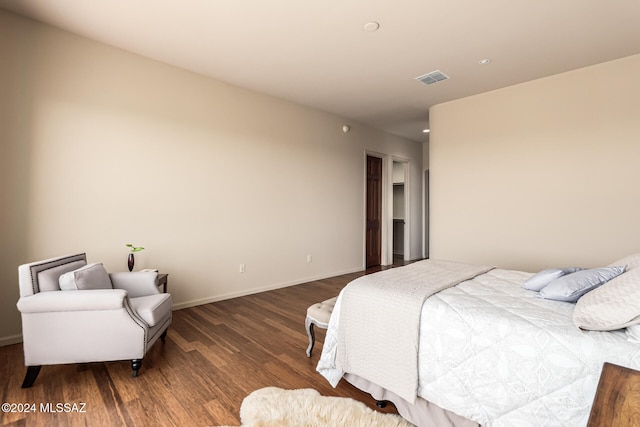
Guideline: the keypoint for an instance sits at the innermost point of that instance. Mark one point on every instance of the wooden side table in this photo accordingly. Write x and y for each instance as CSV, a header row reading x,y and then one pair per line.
x,y
617,399
162,280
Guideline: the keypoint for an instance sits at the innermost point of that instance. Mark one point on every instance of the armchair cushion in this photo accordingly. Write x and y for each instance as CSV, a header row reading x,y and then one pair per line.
x,y
90,276
137,283
153,308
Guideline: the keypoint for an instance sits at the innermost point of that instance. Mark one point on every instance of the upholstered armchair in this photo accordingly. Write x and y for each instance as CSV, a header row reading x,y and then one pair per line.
x,y
74,312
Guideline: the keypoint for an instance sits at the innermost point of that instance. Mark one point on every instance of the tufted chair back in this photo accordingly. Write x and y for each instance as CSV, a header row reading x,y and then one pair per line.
x,y
43,276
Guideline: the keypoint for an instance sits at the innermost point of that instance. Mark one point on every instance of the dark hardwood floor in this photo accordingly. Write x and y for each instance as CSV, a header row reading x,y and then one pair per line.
x,y
214,355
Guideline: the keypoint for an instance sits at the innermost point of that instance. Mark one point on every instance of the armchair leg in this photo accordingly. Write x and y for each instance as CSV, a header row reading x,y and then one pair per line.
x,y
31,375
136,364
163,337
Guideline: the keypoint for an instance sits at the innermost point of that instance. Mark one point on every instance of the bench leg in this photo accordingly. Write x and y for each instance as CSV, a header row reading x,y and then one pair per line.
x,y
308,324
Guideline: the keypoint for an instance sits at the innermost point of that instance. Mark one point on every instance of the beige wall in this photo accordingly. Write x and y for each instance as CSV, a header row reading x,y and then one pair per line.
x,y
101,148
540,174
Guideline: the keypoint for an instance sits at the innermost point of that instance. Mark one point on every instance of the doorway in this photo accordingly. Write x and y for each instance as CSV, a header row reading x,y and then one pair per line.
x,y
425,248
373,235
399,210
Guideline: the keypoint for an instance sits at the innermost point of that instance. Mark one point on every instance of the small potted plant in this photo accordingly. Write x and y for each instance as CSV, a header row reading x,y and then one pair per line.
x,y
133,249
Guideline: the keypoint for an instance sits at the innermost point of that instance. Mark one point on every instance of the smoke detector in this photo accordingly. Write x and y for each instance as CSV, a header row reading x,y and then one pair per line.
x,y
432,77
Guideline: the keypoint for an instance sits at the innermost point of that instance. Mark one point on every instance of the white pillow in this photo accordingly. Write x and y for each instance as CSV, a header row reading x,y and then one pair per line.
x,y
90,276
544,277
571,287
631,261
614,305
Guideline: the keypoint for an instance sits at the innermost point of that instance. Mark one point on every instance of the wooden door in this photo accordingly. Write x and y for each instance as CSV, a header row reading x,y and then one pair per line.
x,y
374,212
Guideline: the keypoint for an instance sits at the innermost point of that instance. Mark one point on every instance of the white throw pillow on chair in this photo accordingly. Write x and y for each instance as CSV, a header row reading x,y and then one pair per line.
x,y
90,276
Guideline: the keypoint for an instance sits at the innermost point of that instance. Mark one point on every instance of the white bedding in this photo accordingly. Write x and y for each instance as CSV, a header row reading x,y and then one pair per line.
x,y
499,355
392,333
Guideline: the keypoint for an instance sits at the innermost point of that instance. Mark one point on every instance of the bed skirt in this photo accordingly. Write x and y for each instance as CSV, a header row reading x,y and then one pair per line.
x,y
422,413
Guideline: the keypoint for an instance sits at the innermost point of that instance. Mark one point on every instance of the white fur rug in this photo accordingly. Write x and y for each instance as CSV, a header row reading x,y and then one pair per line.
x,y
276,407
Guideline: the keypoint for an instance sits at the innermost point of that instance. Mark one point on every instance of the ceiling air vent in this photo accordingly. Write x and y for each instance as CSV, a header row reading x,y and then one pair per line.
x,y
432,77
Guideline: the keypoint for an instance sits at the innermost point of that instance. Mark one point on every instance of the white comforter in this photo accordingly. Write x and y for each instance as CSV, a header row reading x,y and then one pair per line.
x,y
381,314
499,355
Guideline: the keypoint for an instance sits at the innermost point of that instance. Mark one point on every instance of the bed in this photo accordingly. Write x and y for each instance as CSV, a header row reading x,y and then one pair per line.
x,y
453,344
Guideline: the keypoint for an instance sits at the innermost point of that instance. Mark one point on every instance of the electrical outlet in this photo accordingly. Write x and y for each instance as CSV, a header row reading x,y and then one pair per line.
x,y
242,268
309,258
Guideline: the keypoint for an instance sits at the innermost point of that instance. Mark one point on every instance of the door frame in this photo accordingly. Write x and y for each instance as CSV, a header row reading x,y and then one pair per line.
x,y
386,227
425,212
407,207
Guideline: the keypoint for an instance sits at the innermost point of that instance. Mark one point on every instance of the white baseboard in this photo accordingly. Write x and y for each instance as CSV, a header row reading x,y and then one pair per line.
x,y
252,291
10,340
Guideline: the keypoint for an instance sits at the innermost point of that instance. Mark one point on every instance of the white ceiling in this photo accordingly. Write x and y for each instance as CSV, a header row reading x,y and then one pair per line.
x,y
317,53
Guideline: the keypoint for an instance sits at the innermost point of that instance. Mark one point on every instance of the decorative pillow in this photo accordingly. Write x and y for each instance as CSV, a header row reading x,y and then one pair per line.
x,y
544,277
49,279
631,261
571,287
91,276
614,305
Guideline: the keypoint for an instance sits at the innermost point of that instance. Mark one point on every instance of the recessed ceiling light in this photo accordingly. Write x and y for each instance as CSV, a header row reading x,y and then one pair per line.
x,y
484,61
371,26
425,130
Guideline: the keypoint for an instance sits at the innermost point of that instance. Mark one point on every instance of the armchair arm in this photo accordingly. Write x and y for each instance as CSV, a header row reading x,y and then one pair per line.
x,y
137,283
87,300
